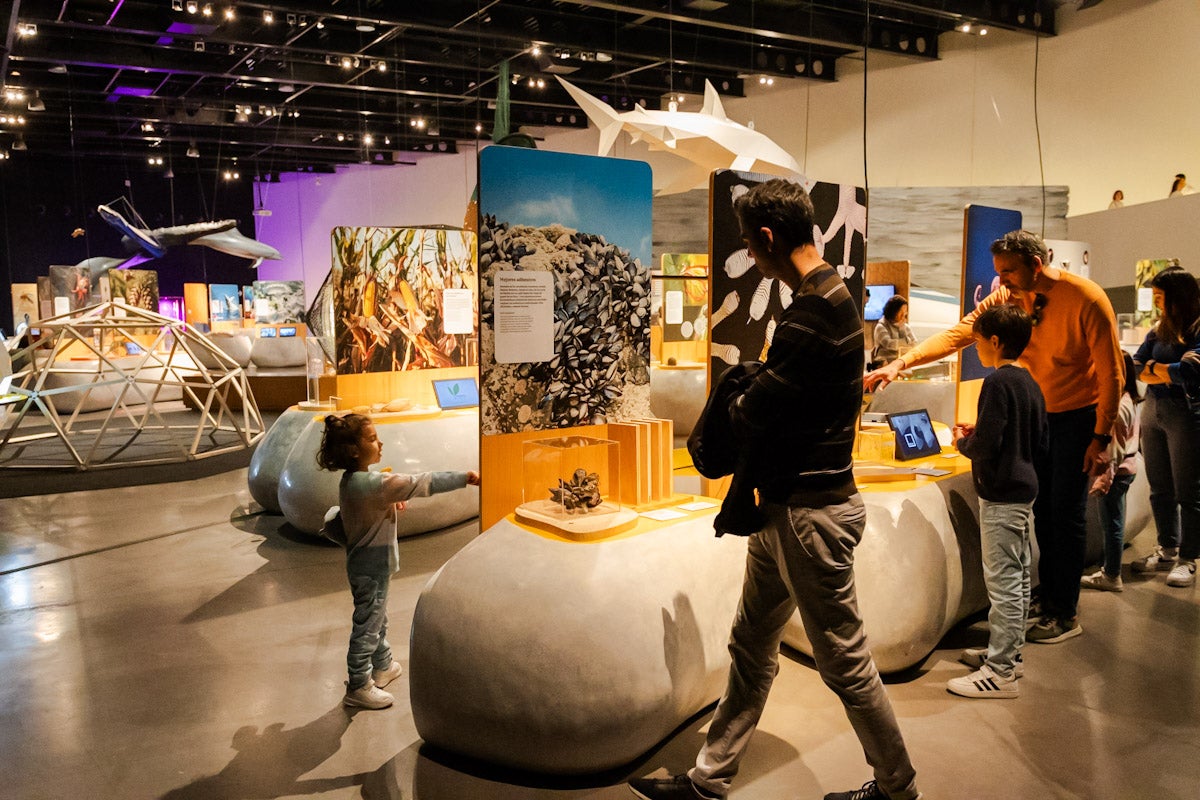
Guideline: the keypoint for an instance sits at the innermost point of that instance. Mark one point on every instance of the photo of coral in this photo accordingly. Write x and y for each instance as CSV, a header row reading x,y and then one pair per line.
x,y
585,220
278,302
388,290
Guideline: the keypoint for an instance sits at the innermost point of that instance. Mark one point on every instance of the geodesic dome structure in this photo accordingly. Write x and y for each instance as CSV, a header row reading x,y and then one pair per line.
x,y
101,387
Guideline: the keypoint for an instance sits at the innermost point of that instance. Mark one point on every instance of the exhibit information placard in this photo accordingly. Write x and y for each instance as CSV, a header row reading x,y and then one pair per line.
x,y
524,317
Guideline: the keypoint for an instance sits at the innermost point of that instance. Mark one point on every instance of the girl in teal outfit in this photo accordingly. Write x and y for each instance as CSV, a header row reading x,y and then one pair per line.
x,y
369,502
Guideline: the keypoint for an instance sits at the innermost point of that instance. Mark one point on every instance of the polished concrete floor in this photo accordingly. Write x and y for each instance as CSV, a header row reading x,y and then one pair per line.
x,y
170,641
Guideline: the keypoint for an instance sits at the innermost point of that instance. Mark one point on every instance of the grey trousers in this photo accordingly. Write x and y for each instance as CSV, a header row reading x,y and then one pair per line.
x,y
804,558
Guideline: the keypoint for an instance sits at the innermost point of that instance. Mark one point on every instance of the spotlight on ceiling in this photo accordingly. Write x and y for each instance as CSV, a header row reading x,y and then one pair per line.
x,y
364,27
268,16
36,103
230,14
192,6
193,151
19,144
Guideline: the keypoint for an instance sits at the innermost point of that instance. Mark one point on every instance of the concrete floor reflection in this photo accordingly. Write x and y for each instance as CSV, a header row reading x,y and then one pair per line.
x,y
170,641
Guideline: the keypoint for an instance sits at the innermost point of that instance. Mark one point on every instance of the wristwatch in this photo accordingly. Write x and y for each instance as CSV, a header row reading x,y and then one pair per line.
x,y
1103,438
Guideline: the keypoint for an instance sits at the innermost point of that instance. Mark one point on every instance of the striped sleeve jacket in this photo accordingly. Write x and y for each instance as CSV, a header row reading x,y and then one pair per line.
x,y
797,418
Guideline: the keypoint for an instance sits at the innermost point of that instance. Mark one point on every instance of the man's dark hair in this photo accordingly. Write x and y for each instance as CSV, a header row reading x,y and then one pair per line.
x,y
782,206
1022,244
892,307
1010,324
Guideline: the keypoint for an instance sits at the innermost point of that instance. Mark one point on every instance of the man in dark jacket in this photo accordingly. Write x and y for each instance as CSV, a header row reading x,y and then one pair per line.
x,y
797,419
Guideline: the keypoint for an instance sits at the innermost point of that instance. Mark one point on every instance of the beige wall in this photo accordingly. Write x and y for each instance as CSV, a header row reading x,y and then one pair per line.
x,y
1117,98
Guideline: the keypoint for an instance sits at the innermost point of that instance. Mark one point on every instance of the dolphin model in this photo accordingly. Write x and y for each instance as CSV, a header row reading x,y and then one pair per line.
x,y
706,140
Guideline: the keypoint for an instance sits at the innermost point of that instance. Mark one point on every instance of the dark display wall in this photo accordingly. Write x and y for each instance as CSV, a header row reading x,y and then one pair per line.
x,y
43,200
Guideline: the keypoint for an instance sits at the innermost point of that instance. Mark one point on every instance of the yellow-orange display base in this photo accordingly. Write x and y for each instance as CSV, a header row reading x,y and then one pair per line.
x,y
603,523
365,388
639,526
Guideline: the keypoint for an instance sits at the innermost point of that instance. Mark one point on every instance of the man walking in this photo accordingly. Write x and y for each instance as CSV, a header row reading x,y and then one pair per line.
x,y
797,422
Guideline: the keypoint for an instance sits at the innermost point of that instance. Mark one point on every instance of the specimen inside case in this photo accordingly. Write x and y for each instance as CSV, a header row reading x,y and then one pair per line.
x,y
573,484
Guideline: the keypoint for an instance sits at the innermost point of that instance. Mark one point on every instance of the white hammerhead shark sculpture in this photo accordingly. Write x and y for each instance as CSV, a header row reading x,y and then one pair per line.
x,y
705,140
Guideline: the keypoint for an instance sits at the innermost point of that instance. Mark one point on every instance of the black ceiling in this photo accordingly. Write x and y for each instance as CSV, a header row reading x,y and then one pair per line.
x,y
141,79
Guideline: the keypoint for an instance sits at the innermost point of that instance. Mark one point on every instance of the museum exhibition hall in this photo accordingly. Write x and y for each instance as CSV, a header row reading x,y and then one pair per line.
x,y
505,235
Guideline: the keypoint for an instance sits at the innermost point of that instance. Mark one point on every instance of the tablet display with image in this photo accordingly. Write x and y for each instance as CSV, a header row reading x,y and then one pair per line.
x,y
915,437
456,393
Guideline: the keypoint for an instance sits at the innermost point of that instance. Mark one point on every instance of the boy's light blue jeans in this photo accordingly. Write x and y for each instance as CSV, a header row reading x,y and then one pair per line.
x,y
369,648
1004,530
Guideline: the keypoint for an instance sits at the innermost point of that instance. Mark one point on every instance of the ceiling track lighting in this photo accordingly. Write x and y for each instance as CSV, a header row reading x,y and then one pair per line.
x,y
26,29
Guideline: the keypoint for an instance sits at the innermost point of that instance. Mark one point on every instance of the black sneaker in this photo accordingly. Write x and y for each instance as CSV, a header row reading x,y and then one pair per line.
x,y
677,787
869,791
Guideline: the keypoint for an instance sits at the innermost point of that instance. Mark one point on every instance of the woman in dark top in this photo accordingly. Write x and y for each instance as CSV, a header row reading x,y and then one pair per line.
x,y
1171,428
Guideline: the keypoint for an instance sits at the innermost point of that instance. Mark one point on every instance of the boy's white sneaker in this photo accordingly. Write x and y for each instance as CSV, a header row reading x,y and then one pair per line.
x,y
383,677
984,684
975,657
369,696
1183,574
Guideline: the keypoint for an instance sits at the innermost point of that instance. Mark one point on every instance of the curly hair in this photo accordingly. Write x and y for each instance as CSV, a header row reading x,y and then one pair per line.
x,y
339,441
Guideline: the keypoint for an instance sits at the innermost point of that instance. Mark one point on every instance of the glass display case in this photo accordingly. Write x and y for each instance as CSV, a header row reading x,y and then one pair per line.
x,y
573,484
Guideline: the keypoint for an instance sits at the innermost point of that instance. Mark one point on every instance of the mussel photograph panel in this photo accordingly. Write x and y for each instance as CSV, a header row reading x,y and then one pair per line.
x,y
574,347
746,306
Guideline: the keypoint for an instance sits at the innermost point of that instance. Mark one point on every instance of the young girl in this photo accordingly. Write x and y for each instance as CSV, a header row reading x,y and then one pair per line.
x,y
369,501
1112,484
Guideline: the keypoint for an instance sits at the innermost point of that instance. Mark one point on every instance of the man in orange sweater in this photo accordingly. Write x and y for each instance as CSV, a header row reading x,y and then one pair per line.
x,y
1076,360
